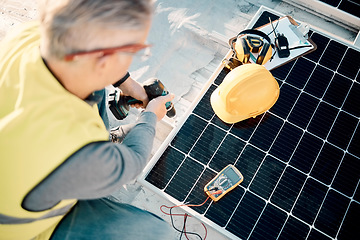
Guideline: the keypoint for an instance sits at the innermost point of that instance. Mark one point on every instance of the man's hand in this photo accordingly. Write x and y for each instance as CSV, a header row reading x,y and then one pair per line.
x,y
134,89
157,105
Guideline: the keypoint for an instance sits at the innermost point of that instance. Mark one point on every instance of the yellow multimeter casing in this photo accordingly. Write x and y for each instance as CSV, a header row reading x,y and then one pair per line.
x,y
226,180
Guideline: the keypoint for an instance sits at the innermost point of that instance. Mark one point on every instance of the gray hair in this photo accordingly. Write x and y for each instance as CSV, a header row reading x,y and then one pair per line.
x,y
68,26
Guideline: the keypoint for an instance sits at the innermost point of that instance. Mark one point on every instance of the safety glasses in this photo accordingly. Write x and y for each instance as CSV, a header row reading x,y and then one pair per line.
x,y
131,48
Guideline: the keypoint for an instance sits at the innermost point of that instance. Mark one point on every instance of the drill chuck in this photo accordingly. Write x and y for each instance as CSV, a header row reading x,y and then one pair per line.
x,y
155,88
170,110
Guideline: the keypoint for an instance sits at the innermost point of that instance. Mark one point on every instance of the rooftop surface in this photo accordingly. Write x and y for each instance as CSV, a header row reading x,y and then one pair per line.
x,y
190,40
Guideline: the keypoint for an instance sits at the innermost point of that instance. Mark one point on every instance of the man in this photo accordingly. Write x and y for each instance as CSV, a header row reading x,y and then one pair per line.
x,y
56,162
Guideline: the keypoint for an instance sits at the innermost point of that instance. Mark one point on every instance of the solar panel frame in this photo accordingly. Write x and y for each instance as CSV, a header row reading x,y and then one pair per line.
x,y
253,200
343,11
348,6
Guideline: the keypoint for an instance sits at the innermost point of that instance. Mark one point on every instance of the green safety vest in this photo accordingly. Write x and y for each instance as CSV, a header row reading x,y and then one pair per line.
x,y
41,125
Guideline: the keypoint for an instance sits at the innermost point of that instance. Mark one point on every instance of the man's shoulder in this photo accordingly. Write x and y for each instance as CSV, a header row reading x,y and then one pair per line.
x,y
23,29
20,37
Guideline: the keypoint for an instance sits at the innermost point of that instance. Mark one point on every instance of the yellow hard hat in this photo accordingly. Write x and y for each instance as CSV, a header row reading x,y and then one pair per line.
x,y
247,91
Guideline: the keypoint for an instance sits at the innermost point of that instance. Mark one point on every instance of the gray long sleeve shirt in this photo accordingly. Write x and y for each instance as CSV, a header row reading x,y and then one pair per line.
x,y
97,169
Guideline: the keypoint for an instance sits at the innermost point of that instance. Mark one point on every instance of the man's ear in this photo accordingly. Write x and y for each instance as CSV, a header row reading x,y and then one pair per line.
x,y
101,65
102,61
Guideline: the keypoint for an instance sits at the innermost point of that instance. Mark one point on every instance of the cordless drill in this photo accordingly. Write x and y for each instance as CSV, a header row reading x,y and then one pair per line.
x,y
153,87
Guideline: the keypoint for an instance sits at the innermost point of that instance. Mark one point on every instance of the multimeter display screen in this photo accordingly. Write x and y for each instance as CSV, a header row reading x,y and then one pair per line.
x,y
227,179
232,175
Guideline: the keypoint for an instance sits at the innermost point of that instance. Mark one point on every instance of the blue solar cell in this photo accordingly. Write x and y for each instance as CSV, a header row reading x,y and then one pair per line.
x,y
286,142
227,153
246,215
357,195
318,81
321,43
245,128
189,133
194,196
204,109
334,3
309,201
288,188
266,131
316,235
219,212
350,226
303,110
300,73
183,180
327,163
351,104
165,167
249,161
207,144
333,55
331,213
348,175
351,7
270,223
306,152
218,122
221,76
343,130
264,19
337,90
282,71
294,230
267,177
323,120
286,100
350,65
354,147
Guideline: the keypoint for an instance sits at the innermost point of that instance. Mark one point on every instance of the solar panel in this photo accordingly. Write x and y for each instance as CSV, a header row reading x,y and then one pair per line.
x,y
300,160
348,6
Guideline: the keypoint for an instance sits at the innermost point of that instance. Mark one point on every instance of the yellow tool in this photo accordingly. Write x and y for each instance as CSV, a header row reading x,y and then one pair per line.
x,y
226,180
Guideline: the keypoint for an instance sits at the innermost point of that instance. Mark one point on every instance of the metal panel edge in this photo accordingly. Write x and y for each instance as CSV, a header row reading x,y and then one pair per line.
x,y
327,11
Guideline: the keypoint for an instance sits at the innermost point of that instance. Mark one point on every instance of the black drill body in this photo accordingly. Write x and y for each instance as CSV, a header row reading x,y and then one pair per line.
x,y
153,88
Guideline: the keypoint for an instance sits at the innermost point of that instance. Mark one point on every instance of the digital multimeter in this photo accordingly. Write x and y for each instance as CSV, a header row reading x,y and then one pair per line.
x,y
226,180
